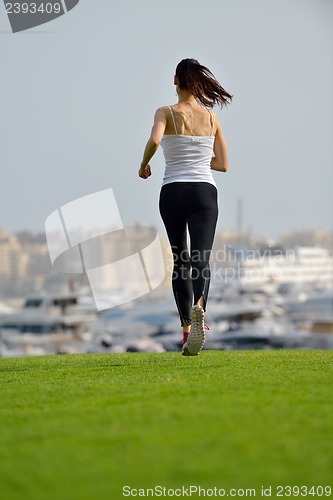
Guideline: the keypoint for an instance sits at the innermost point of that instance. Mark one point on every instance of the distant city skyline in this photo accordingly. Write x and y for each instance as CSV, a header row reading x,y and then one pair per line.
x,y
79,95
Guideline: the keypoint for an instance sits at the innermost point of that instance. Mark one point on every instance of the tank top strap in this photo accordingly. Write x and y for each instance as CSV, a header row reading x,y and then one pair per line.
x,y
212,120
173,119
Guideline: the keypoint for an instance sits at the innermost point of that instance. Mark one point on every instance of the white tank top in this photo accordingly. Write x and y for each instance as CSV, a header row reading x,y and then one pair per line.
x,y
187,157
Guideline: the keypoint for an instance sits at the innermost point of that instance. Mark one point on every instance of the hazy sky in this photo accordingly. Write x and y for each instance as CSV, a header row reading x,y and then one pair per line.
x,y
79,94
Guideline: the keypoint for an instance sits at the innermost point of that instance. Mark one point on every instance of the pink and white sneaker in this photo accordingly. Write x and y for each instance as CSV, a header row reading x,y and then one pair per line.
x,y
195,340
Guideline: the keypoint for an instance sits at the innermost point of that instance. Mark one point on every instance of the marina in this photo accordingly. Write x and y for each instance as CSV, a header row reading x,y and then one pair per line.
x,y
288,304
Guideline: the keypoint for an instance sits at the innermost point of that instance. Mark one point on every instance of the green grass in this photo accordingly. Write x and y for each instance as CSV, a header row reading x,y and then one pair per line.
x,y
83,426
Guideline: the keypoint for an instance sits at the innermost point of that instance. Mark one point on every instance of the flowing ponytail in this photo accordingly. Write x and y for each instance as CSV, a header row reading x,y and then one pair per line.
x,y
201,83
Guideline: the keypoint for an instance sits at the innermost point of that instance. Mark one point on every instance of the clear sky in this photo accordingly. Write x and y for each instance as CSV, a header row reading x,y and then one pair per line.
x,y
79,94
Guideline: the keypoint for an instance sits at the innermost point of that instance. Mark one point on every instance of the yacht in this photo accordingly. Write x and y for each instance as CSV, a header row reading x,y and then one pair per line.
x,y
48,322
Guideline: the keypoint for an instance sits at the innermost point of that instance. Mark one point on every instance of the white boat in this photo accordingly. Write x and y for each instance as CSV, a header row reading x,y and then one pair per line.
x,y
47,312
48,322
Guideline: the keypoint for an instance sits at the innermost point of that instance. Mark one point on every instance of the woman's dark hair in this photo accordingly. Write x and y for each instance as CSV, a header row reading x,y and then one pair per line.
x,y
201,83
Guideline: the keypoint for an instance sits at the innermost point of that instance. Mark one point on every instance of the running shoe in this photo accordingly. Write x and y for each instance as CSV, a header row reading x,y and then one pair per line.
x,y
196,338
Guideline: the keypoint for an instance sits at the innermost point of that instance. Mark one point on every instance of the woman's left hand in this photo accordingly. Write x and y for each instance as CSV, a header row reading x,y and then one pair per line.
x,y
145,172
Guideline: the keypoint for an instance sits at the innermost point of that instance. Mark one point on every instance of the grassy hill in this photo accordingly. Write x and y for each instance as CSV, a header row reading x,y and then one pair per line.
x,y
84,426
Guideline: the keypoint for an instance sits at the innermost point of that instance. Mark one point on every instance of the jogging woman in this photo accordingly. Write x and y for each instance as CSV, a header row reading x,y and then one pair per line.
x,y
193,145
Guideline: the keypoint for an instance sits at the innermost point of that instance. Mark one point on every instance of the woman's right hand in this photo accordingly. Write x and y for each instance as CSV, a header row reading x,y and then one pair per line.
x,y
145,172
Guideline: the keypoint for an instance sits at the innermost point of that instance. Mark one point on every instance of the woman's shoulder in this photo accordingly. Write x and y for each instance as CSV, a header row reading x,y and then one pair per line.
x,y
164,109
162,112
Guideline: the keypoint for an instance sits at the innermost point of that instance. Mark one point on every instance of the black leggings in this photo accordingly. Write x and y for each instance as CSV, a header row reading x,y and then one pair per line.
x,y
192,205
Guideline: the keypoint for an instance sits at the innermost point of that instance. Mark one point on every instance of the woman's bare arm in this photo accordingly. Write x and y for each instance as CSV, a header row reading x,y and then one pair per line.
x,y
153,143
220,160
